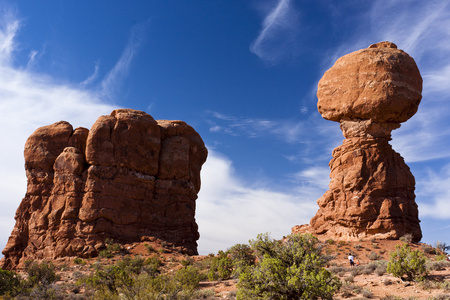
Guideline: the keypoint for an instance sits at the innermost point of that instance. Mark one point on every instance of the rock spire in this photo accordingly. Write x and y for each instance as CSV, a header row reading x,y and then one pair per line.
x,y
371,191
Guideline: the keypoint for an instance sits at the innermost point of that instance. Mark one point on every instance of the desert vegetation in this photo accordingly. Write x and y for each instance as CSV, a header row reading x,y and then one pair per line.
x,y
296,267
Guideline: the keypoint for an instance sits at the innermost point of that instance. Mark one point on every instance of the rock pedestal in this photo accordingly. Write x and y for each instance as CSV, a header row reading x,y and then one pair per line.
x,y
129,178
371,191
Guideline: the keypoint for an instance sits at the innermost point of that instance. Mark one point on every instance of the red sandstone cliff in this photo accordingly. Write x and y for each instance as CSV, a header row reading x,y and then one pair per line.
x,y
128,178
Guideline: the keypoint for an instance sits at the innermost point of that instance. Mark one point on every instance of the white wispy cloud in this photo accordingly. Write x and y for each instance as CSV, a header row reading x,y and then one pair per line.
x,y
290,131
278,36
93,77
231,210
29,100
9,25
113,80
421,29
435,188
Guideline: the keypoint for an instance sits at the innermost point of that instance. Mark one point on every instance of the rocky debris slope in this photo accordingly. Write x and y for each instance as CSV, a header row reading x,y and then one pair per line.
x,y
129,178
371,191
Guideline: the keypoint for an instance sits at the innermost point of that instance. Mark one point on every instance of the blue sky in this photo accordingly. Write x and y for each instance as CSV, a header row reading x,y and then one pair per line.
x,y
244,75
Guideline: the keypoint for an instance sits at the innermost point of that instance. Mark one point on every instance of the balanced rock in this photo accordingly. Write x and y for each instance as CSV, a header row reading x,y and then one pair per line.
x,y
130,178
371,191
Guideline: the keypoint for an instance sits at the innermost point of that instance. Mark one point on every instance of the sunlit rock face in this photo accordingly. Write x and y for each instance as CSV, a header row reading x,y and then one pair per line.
x,y
129,178
371,191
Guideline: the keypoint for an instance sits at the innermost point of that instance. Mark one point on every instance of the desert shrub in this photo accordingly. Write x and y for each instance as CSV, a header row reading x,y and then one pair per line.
x,y
330,241
405,262
441,246
9,283
40,274
149,248
428,249
327,258
387,281
337,269
440,297
375,246
186,262
242,257
436,265
367,293
349,290
118,285
205,294
407,238
110,279
445,285
349,279
105,253
342,243
79,261
182,285
391,297
290,269
369,269
374,256
356,271
358,246
221,267
427,285
131,265
380,270
441,257
111,249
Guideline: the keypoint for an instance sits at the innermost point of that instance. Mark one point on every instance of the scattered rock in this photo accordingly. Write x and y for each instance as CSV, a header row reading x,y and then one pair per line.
x,y
129,178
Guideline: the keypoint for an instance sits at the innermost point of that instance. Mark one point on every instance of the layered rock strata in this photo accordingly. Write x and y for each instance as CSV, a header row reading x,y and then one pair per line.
x,y
371,191
129,178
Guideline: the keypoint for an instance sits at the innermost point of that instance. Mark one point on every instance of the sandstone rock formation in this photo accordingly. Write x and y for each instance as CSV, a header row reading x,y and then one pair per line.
x,y
129,178
369,92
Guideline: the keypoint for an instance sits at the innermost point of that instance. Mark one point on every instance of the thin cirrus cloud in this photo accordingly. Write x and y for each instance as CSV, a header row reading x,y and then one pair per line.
x,y
112,82
421,29
437,185
278,35
29,100
290,131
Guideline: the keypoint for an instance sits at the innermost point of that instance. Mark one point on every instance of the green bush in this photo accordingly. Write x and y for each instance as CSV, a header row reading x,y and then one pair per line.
x,y
149,248
221,267
126,280
405,262
242,257
9,283
40,274
79,261
291,269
